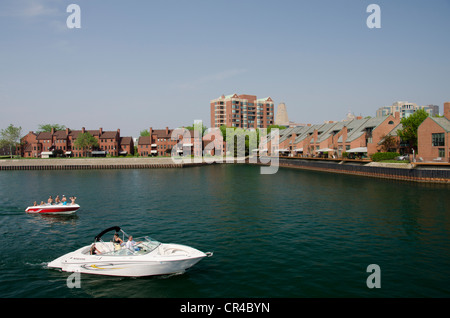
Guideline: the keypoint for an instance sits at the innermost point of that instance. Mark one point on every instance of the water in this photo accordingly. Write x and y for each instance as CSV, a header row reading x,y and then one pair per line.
x,y
293,234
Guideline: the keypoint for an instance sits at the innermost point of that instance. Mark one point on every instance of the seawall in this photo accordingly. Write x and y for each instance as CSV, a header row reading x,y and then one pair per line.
x,y
432,173
91,163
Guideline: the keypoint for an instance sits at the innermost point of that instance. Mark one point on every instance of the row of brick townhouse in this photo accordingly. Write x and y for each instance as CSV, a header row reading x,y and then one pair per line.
x,y
44,144
360,136
160,142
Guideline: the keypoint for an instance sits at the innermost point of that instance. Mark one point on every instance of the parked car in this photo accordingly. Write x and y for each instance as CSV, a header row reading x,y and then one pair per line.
x,y
402,157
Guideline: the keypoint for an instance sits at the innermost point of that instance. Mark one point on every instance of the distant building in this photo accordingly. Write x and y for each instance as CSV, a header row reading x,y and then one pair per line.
x,y
244,111
161,142
44,144
158,143
406,108
282,118
357,136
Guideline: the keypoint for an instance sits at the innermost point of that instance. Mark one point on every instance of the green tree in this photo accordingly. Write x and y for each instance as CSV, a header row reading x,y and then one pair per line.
x,y
48,127
86,141
388,142
144,133
410,125
10,137
199,126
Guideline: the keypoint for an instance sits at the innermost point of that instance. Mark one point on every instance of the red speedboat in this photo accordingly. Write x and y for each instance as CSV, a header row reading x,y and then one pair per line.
x,y
53,208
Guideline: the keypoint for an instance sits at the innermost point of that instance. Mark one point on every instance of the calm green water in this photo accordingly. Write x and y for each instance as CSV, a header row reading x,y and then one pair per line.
x,y
293,234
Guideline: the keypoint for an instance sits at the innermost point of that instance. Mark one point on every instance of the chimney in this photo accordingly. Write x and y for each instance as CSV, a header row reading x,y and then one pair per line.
x,y
53,130
151,131
397,115
167,130
118,131
83,130
67,131
447,110
100,131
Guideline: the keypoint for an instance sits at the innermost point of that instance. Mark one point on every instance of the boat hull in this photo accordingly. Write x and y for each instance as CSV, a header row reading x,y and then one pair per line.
x,y
131,266
53,209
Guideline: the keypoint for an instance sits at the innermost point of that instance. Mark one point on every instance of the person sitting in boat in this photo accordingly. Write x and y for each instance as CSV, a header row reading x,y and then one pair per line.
x,y
35,203
117,241
50,200
64,200
72,200
131,243
57,200
94,250
42,203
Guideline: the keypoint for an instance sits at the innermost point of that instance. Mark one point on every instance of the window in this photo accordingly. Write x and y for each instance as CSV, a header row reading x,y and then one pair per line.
x,y
438,139
441,152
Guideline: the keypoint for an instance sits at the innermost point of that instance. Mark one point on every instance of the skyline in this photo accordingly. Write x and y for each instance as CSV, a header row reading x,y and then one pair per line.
x,y
148,64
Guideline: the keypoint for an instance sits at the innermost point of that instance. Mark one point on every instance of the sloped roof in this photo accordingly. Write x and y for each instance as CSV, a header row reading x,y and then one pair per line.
x,y
108,134
144,140
443,122
367,123
44,135
126,140
161,133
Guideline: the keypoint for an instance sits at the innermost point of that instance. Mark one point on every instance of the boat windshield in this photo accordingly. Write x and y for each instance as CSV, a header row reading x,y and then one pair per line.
x,y
144,245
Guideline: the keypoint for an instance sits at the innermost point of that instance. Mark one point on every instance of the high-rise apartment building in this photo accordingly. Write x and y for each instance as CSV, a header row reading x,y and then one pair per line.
x,y
405,109
244,111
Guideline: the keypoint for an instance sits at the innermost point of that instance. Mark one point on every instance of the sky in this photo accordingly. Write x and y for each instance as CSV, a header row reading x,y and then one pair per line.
x,y
141,63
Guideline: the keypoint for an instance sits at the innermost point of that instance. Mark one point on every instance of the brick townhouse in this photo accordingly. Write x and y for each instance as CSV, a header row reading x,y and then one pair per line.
x,y
360,136
433,137
43,144
160,142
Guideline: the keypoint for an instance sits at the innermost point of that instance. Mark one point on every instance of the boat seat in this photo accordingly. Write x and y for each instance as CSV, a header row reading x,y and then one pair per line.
x,y
105,247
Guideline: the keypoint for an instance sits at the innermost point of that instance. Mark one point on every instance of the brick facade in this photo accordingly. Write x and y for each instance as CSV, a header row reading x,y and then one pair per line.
x,y
433,138
63,141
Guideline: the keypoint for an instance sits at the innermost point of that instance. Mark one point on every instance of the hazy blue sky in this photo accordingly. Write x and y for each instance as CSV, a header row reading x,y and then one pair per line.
x,y
136,64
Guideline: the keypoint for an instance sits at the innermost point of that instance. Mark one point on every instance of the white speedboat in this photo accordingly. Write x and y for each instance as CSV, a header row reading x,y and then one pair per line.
x,y
146,258
53,208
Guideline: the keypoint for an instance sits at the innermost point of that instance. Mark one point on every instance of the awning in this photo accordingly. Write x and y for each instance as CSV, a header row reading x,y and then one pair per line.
x,y
98,152
359,149
154,151
324,150
154,145
68,152
187,145
299,149
47,153
179,150
282,150
123,152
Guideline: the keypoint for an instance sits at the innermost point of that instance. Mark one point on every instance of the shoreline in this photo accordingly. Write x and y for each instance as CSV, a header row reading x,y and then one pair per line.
x,y
427,173
91,163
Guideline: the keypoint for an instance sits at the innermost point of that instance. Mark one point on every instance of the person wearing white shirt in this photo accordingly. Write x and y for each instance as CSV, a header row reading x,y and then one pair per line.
x,y
131,243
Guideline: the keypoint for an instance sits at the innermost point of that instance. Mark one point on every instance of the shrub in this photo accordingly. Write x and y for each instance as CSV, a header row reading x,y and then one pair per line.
x,y
379,156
